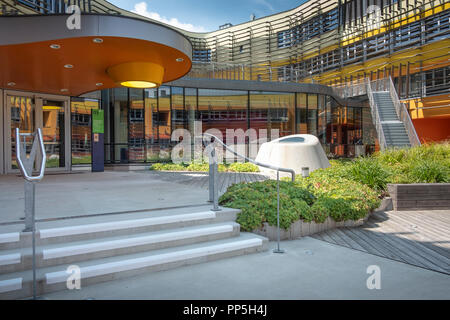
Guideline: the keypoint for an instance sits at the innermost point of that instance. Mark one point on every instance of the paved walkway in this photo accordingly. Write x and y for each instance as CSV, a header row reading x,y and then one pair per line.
x,y
419,238
81,194
201,180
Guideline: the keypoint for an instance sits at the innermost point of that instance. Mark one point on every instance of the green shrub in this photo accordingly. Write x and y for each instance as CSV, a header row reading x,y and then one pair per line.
x,y
167,167
198,167
336,208
204,167
369,172
429,171
243,167
258,203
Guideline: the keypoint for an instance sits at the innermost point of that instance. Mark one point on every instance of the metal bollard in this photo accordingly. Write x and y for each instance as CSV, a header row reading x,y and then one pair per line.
x,y
305,172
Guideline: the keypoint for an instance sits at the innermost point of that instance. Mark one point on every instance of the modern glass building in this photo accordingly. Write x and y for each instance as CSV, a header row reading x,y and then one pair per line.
x,y
300,71
140,123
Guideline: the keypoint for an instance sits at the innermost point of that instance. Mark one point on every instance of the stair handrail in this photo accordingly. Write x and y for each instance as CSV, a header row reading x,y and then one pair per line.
x,y
260,164
213,173
376,116
26,168
403,115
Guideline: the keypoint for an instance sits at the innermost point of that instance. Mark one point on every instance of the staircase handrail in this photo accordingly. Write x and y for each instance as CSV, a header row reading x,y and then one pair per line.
x,y
376,116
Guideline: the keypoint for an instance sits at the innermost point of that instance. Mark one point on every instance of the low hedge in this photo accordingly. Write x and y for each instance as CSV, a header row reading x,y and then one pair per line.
x,y
204,167
305,199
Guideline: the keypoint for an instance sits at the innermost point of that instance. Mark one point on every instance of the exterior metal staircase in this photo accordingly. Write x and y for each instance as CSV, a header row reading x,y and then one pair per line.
x,y
391,118
394,130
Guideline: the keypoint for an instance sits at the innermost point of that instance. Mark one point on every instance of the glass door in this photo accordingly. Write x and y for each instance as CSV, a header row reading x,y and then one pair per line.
x,y
53,122
28,112
20,113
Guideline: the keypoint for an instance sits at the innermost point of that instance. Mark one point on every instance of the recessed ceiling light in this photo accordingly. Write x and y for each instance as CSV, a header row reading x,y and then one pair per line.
x,y
68,66
97,40
180,60
11,84
99,84
64,90
55,46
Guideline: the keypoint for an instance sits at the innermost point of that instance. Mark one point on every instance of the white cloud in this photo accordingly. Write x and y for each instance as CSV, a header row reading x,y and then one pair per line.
x,y
141,8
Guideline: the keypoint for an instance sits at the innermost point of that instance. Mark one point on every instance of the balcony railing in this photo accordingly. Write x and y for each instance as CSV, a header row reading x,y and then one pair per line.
x,y
235,71
44,7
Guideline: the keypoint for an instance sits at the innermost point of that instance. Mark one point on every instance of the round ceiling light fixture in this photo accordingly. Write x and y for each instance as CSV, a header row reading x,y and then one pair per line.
x,y
55,46
99,84
64,90
11,84
97,40
180,60
137,74
68,66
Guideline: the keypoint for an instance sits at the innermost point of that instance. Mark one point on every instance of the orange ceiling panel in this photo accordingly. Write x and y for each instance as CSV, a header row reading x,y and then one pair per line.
x,y
39,68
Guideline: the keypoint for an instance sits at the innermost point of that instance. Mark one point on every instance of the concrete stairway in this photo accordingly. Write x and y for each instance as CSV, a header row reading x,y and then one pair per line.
x,y
393,129
114,247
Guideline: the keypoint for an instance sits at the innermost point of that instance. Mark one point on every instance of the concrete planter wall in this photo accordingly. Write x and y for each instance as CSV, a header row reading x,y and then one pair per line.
x,y
421,196
302,229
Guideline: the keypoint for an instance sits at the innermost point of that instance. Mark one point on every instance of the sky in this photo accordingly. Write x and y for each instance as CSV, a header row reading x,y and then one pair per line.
x,y
205,15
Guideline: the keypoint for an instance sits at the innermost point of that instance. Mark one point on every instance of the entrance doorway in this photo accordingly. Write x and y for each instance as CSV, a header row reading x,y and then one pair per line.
x,y
28,111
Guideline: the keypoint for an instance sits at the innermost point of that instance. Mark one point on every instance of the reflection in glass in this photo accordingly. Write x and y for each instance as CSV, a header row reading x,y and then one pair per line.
x,y
302,124
81,110
164,122
151,124
312,114
136,141
274,111
120,125
22,117
53,129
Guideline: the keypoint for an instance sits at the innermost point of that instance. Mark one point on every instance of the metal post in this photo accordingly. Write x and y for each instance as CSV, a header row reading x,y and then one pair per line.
x,y
26,167
278,250
211,180
216,189
213,174
33,222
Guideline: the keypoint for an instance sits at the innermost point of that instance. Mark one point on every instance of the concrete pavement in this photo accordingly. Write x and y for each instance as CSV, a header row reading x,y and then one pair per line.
x,y
310,269
81,194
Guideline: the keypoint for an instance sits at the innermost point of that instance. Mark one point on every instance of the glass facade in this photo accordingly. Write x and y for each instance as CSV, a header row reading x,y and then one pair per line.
x,y
139,123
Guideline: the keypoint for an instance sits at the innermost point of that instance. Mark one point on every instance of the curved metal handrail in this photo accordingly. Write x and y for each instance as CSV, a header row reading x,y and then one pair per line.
x,y
268,166
22,168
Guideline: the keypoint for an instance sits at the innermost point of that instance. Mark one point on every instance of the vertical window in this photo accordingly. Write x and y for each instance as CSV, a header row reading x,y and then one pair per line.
x,y
136,137
302,124
163,119
151,124
312,114
274,111
81,110
178,111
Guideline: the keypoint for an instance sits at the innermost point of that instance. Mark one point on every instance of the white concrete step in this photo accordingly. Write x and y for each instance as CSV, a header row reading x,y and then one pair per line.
x,y
19,285
107,226
71,252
